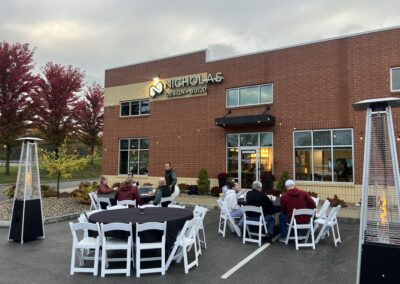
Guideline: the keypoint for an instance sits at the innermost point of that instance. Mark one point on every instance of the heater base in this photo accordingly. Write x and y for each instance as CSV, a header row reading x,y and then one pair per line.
x,y
379,264
31,221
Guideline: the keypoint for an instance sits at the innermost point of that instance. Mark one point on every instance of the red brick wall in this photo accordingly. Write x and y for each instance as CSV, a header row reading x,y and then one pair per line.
x,y
314,86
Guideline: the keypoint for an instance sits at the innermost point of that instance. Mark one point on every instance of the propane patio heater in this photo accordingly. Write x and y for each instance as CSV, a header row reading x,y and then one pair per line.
x,y
27,217
379,243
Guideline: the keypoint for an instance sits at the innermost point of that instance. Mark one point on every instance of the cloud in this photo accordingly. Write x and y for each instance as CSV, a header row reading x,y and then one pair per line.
x,y
98,34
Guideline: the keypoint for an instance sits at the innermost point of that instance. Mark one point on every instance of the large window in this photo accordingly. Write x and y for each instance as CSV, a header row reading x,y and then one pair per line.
x,y
395,79
324,155
133,156
135,108
247,96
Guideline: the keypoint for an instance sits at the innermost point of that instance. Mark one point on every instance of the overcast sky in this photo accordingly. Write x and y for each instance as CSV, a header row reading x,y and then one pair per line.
x,y
98,34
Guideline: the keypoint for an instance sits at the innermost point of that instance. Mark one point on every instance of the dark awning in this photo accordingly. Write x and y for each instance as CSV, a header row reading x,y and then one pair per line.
x,y
264,119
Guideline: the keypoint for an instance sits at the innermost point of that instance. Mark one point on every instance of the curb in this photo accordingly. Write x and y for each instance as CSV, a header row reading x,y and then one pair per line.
x,y
6,224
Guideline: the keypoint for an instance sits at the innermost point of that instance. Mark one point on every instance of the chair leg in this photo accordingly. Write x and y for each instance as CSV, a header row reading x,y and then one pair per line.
x,y
312,238
224,231
288,233
128,262
96,261
72,261
296,238
137,261
103,261
259,234
185,259
338,232
195,253
204,238
163,261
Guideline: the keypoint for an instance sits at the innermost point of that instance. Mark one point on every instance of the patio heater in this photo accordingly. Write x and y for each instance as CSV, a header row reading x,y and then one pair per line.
x,y
27,217
379,243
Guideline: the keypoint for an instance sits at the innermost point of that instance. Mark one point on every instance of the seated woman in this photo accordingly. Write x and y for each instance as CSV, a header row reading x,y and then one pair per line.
x,y
162,191
230,201
105,191
128,192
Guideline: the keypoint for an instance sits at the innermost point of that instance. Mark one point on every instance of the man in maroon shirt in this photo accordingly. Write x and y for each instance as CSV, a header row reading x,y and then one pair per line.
x,y
128,192
294,198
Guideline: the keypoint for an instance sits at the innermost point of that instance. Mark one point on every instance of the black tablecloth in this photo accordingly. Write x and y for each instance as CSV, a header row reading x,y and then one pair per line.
x,y
175,218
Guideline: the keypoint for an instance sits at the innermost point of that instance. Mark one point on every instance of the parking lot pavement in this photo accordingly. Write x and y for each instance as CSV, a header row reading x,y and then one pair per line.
x,y
48,260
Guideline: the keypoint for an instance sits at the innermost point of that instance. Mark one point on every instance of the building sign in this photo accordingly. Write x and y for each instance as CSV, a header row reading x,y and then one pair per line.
x,y
183,86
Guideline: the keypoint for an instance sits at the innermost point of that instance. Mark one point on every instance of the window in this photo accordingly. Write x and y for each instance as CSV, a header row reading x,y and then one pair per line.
x,y
135,108
395,79
133,156
323,155
251,95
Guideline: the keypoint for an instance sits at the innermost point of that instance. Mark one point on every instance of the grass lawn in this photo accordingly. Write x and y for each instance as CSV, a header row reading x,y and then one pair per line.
x,y
91,171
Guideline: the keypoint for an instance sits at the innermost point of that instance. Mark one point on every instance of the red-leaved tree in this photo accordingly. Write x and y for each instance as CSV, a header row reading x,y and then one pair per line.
x,y
17,86
90,117
57,102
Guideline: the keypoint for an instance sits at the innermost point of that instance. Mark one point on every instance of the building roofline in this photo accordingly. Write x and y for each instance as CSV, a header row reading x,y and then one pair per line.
x,y
207,52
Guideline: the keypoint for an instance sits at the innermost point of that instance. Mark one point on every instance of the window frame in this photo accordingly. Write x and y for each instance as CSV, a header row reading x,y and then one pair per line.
x,y
245,87
391,79
130,108
128,150
331,148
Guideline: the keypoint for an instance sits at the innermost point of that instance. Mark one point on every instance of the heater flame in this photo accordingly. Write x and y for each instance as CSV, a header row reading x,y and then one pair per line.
x,y
383,207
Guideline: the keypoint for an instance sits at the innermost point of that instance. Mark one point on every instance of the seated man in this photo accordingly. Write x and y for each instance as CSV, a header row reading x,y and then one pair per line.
x,y
162,191
128,192
257,198
230,201
294,198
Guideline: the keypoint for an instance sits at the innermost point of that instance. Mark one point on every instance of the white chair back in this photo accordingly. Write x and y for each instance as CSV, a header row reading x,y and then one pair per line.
x,y
82,218
316,200
296,226
176,193
253,222
200,212
103,200
93,201
116,207
324,209
149,206
166,199
330,222
151,226
88,213
176,206
127,203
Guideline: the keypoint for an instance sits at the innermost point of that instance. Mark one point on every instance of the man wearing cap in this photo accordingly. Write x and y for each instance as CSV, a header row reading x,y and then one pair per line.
x,y
294,198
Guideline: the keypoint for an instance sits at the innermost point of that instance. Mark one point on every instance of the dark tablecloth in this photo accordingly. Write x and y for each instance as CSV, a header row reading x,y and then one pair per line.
x,y
175,218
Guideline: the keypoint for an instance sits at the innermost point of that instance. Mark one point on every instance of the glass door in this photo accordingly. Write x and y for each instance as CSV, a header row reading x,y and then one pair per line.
x,y
248,166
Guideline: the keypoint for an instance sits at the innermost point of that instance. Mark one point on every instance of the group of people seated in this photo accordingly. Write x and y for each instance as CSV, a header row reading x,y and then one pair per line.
x,y
293,198
128,190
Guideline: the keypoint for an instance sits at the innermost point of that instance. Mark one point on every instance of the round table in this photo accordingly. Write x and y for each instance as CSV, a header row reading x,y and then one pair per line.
x,y
175,218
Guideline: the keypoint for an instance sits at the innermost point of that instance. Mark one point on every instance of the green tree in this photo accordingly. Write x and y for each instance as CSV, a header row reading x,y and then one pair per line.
x,y
62,164
203,182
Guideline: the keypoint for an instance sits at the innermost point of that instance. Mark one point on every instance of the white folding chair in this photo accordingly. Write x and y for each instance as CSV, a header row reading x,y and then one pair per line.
x,y
127,203
329,223
141,246
250,222
183,244
85,243
316,201
176,193
165,200
111,244
102,200
200,212
93,201
83,219
116,207
149,206
225,218
308,226
323,211
88,213
176,206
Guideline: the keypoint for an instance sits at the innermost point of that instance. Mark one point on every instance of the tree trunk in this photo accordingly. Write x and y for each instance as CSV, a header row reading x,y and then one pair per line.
x,y
58,184
91,154
8,153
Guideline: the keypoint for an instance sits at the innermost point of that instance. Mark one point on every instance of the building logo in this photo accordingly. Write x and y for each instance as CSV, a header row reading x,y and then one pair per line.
x,y
185,85
156,89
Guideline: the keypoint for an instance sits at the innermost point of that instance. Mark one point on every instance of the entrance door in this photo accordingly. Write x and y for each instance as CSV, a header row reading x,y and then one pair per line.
x,y
248,166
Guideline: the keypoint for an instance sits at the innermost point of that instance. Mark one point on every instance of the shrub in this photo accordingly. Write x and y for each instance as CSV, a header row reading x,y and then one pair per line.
x,y
281,182
312,194
216,190
82,194
203,183
44,187
183,187
50,192
335,201
9,191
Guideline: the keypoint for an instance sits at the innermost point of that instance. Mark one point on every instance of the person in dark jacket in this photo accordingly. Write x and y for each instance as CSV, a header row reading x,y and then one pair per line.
x,y
162,191
257,198
128,192
294,198
170,177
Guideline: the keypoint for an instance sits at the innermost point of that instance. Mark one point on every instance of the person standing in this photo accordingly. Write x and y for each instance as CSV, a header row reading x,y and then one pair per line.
x,y
294,198
170,177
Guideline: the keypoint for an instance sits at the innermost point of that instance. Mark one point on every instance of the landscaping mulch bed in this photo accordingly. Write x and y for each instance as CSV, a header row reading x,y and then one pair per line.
x,y
52,207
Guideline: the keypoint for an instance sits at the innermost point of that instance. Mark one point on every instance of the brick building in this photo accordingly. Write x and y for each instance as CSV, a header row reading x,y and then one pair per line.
x,y
287,109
